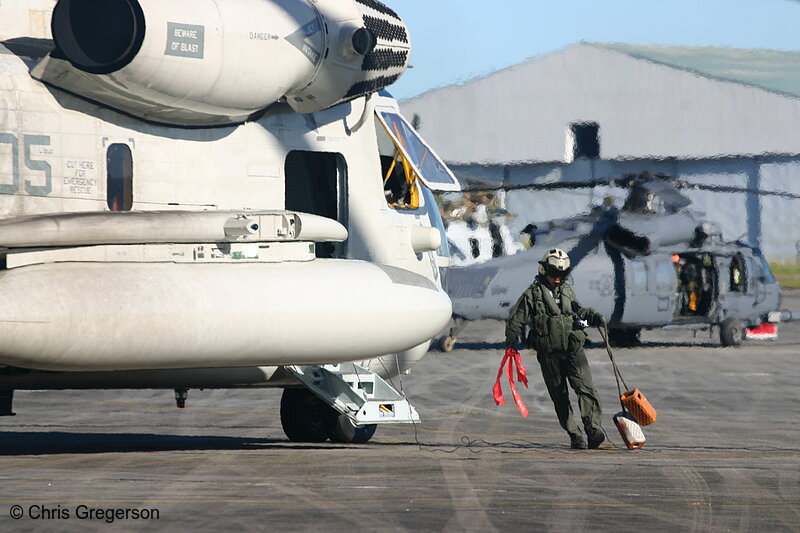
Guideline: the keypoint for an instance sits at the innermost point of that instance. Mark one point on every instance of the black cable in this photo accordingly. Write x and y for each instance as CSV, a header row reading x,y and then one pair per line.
x,y
521,446
509,446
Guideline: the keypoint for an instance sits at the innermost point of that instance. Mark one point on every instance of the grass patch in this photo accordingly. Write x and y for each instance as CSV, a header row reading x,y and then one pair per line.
x,y
787,273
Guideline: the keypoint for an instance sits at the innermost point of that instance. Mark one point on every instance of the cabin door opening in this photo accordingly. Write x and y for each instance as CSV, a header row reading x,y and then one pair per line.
x,y
697,282
316,183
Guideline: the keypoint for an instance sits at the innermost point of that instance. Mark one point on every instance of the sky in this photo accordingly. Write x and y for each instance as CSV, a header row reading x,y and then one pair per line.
x,y
457,40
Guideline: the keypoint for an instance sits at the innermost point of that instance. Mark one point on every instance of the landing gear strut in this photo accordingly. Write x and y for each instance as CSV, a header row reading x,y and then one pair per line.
x,y
448,342
180,398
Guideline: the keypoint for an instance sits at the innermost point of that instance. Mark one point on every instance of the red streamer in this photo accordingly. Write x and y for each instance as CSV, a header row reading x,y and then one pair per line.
x,y
514,359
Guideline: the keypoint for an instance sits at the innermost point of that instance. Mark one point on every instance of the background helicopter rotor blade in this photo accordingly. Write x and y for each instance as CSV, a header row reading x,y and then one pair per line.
x,y
551,186
666,187
733,189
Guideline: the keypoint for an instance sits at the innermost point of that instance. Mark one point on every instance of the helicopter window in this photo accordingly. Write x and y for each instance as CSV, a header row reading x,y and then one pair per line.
x,y
738,280
665,276
474,248
419,154
405,157
765,273
638,276
435,218
398,175
398,182
119,177
586,139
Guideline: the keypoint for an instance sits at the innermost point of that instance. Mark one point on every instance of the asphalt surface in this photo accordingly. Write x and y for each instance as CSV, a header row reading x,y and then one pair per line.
x,y
724,454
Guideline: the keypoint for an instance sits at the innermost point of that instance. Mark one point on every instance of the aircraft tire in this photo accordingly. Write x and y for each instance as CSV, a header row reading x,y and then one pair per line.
x,y
446,344
624,338
303,416
731,332
340,428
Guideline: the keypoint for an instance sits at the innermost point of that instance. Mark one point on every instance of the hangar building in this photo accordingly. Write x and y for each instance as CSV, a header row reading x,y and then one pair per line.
x,y
707,115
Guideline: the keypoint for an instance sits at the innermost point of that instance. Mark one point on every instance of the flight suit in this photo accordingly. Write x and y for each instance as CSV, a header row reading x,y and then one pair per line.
x,y
550,316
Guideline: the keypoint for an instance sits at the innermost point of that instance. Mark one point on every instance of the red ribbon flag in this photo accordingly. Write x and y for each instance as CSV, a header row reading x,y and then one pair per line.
x,y
514,359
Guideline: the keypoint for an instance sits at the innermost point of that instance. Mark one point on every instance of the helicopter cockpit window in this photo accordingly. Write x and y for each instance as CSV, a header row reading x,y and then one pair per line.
x,y
763,272
405,157
738,280
399,181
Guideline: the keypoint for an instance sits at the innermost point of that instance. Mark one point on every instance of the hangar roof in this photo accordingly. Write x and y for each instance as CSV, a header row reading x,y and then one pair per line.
x,y
773,70
643,101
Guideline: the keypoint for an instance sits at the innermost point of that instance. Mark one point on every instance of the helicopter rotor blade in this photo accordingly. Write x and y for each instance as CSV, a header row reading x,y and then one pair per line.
x,y
734,189
668,192
551,186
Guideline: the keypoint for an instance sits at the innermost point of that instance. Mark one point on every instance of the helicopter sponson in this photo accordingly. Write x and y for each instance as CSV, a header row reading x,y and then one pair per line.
x,y
211,62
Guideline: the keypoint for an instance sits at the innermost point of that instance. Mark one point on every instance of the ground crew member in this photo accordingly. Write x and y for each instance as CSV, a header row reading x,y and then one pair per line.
x,y
556,320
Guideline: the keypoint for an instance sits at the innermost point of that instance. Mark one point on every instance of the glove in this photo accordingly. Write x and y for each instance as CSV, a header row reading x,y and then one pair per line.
x,y
577,323
596,319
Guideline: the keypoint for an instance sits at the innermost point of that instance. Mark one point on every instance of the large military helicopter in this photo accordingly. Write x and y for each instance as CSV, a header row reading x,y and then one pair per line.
x,y
652,263
214,195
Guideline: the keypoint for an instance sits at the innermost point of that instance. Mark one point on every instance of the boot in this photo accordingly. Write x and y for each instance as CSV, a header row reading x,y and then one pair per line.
x,y
596,437
577,443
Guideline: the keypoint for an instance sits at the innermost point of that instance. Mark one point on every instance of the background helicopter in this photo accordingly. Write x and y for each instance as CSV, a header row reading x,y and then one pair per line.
x,y
216,197
652,263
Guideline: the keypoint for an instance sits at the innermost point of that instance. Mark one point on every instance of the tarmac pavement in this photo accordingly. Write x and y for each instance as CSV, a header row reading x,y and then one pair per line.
x,y
723,455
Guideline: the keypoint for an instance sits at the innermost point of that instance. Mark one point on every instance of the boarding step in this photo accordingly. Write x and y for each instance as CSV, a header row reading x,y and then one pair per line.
x,y
356,392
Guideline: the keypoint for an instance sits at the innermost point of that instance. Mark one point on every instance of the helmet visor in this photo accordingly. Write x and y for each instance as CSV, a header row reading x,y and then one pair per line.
x,y
554,271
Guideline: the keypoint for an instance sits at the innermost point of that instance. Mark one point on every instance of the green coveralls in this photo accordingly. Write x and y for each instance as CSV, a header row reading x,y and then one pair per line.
x,y
559,348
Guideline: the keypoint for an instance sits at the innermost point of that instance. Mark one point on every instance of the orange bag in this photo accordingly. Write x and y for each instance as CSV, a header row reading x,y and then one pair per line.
x,y
635,402
632,400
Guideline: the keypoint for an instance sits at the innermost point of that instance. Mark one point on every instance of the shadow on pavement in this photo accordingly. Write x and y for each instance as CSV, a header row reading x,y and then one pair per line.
x,y
59,442
500,346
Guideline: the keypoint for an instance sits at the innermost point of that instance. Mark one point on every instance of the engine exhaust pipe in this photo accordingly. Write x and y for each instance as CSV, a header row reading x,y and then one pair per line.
x,y
98,36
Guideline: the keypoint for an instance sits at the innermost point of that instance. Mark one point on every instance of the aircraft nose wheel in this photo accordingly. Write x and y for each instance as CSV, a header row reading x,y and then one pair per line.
x,y
342,429
624,338
303,416
306,418
731,332
446,344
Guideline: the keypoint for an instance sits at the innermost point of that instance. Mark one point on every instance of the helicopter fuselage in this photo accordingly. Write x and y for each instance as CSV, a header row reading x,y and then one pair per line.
x,y
645,274
100,304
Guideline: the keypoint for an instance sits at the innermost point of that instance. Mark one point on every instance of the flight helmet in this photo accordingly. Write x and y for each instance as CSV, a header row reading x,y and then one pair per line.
x,y
555,263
